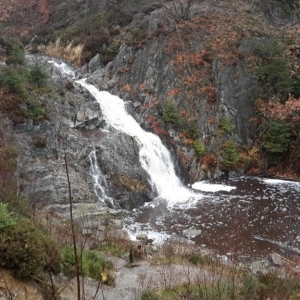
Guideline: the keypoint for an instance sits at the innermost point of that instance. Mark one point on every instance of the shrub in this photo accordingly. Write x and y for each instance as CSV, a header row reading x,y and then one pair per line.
x,y
230,155
275,78
200,259
171,114
199,148
27,251
274,72
109,53
15,80
7,219
192,130
38,76
275,136
16,54
268,49
35,110
269,286
209,162
92,264
225,126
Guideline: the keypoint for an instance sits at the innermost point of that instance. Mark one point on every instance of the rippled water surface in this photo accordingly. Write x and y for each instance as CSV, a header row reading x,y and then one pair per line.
x,y
227,220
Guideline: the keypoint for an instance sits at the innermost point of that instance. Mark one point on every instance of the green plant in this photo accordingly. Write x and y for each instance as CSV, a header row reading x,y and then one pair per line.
x,y
199,148
230,155
91,264
225,126
38,76
200,259
269,286
7,218
150,295
108,52
35,109
15,54
275,78
274,71
27,250
171,114
15,79
192,130
275,136
268,49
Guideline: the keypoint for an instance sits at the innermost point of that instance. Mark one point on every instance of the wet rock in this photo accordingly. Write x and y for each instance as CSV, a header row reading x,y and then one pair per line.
x,y
136,104
142,237
276,259
118,156
191,232
259,267
95,63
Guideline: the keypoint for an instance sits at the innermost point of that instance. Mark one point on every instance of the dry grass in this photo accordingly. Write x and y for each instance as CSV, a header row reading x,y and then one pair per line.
x,y
70,53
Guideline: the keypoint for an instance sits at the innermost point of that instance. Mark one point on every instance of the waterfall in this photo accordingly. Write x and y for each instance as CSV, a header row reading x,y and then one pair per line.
x,y
100,183
63,68
154,156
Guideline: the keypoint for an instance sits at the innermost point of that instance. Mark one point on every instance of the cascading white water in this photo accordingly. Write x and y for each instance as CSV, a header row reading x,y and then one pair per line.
x,y
63,68
100,183
154,156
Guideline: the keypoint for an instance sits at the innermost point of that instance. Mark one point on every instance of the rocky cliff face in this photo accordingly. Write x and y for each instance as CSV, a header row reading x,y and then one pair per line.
x,y
207,87
73,129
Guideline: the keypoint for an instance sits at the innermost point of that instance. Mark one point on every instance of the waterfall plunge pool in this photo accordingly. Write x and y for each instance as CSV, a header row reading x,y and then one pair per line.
x,y
228,217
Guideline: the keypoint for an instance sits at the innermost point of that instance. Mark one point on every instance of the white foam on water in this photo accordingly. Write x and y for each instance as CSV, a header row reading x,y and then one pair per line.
x,y
210,187
280,181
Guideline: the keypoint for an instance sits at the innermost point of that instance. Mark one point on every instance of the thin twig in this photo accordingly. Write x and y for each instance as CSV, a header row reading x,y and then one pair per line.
x,y
73,230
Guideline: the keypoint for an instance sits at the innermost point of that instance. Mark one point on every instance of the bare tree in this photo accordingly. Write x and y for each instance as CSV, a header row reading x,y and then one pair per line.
x,y
180,10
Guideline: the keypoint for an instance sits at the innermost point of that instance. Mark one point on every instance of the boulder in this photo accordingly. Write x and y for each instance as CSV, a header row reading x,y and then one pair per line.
x,y
259,267
142,237
95,63
276,259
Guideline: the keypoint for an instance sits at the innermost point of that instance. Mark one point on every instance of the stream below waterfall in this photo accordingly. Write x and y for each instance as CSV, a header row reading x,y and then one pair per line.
x,y
245,215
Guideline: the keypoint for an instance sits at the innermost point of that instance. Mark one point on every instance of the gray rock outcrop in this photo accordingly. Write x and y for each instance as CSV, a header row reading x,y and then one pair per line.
x,y
72,130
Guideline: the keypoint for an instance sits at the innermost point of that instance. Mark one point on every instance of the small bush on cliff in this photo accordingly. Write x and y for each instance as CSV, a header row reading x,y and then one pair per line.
x,y
27,251
275,73
15,52
199,148
15,79
192,130
35,109
38,76
275,78
171,114
225,126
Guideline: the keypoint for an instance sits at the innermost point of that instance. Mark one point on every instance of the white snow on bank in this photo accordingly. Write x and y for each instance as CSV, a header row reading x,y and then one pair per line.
x,y
209,187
